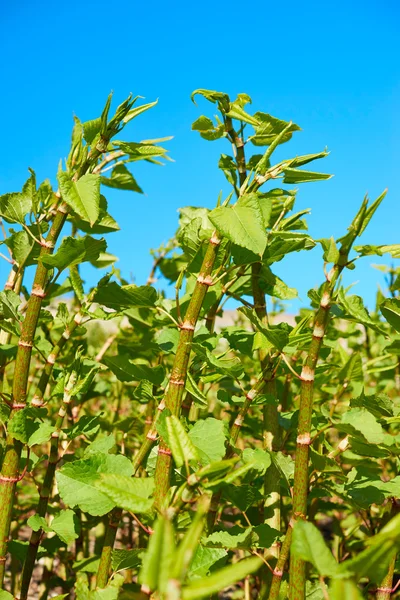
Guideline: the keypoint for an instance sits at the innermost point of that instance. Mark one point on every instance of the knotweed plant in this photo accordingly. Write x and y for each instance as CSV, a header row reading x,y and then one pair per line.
x,y
156,445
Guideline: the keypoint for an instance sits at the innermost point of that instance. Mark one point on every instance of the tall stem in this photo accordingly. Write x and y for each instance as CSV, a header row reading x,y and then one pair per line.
x,y
301,483
9,474
174,395
46,489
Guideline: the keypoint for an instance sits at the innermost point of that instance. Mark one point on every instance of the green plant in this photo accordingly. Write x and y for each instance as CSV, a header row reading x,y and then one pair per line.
x,y
150,448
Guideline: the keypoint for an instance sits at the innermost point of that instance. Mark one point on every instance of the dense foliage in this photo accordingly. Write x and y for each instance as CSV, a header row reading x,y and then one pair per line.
x,y
151,448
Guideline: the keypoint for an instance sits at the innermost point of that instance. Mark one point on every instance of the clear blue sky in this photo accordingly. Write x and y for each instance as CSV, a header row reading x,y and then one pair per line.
x,y
331,67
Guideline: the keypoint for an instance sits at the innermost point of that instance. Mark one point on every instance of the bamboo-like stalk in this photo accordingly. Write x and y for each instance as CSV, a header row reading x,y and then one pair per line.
x,y
46,489
176,387
385,589
9,474
278,571
271,429
38,398
10,466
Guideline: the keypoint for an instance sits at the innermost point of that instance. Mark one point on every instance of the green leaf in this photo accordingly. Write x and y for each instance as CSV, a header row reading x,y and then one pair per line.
x,y
203,560
331,251
269,128
5,595
119,297
125,370
299,176
158,559
242,223
309,545
235,538
232,367
36,523
21,426
41,434
277,335
259,459
15,207
355,309
73,251
66,525
208,437
126,559
121,179
359,420
128,493
391,311
77,481
180,444
374,561
392,249
221,579
9,303
87,425
344,589
83,196
192,388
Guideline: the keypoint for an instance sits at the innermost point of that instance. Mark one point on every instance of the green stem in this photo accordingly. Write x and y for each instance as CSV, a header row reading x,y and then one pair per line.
x,y
280,565
9,474
37,399
108,545
271,429
46,489
385,589
174,394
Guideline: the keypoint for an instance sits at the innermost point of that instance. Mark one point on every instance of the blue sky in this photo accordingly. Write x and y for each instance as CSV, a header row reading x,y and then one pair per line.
x,y
331,67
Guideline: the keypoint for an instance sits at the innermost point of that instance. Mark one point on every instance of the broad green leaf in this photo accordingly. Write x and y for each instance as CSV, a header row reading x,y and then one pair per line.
x,y
125,370
159,556
331,251
257,458
66,525
119,297
36,523
216,97
277,335
391,311
269,128
361,421
121,179
41,434
235,538
9,303
141,150
203,560
284,242
6,596
83,195
126,559
208,436
232,367
15,207
355,309
104,444
180,444
73,251
77,481
344,589
130,494
309,545
219,580
87,425
21,426
242,223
